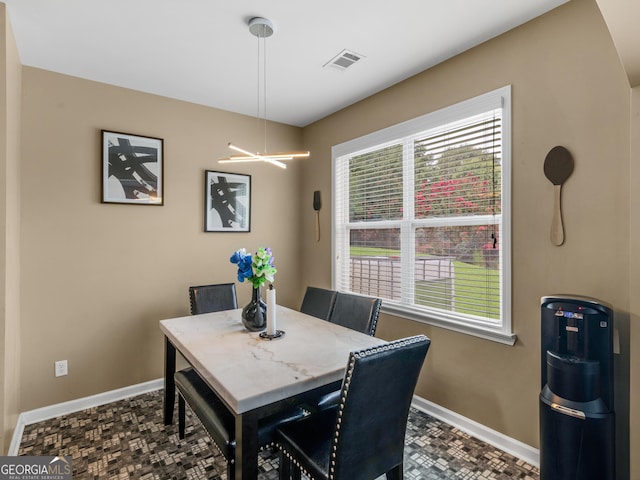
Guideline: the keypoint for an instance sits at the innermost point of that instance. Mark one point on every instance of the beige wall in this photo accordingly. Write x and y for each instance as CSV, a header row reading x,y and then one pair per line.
x,y
568,88
97,278
10,74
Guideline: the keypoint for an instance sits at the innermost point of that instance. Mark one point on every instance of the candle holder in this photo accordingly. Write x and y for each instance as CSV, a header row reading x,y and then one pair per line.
x,y
266,336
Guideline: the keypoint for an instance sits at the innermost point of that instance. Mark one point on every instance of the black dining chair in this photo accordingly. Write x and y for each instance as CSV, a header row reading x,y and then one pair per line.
x,y
318,302
215,417
356,312
212,298
364,437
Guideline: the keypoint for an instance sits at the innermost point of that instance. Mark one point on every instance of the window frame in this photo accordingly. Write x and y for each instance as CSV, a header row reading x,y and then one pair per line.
x,y
501,331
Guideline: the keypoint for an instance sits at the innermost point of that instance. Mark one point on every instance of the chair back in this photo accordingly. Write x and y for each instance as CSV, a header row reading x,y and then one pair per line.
x,y
376,395
318,302
213,298
356,312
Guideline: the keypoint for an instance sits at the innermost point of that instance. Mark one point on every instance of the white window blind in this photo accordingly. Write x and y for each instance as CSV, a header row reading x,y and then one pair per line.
x,y
421,217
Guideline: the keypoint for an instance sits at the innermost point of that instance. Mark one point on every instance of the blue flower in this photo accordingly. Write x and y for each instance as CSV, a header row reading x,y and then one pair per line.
x,y
258,268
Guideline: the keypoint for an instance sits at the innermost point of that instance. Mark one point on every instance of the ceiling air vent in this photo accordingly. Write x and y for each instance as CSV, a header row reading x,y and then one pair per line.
x,y
343,60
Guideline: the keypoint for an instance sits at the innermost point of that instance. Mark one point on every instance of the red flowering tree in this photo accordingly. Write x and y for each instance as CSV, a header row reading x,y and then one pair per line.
x,y
463,181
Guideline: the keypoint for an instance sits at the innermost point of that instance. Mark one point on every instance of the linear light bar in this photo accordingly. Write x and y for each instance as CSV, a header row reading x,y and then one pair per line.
x,y
272,158
252,157
275,156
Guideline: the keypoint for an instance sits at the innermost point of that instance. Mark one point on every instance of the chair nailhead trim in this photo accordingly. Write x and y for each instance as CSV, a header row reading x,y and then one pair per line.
x,y
374,325
295,461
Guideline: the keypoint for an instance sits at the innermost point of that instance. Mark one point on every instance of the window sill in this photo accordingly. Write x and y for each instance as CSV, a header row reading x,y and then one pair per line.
x,y
486,333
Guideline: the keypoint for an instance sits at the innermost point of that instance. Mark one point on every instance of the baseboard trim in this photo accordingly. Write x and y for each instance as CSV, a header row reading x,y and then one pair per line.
x,y
64,408
486,434
507,444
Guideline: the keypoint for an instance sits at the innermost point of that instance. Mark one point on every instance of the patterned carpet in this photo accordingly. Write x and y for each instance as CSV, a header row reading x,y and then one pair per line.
x,y
127,439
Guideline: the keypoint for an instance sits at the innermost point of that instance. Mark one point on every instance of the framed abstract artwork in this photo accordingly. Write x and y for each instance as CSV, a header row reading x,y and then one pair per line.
x,y
227,202
132,169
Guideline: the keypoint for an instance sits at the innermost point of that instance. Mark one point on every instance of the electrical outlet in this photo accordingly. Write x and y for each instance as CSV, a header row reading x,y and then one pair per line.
x,y
61,368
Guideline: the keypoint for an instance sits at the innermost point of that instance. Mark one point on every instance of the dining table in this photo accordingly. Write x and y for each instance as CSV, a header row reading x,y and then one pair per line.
x,y
256,375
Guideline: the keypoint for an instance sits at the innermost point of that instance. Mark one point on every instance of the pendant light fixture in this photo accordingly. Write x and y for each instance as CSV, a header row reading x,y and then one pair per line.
x,y
262,28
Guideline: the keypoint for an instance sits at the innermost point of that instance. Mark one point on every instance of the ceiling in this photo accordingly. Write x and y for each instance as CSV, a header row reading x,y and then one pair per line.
x,y
201,51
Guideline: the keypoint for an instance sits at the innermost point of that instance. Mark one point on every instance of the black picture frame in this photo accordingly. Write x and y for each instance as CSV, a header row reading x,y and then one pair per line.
x,y
132,169
227,202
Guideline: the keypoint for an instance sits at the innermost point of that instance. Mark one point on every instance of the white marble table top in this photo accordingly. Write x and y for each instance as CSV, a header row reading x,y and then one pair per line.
x,y
249,372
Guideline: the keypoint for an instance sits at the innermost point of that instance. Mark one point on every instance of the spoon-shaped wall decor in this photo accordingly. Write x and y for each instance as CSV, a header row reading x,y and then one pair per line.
x,y
558,166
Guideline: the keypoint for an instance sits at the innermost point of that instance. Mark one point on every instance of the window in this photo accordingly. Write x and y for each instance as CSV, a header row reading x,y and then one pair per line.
x,y
421,217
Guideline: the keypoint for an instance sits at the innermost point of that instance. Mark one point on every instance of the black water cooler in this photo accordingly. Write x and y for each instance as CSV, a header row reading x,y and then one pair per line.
x,y
577,423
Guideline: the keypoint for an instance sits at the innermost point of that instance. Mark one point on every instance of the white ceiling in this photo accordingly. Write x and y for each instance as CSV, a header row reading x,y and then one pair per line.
x,y
201,51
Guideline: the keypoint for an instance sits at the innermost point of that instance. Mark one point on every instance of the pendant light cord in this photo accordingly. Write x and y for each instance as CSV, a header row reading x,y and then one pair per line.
x,y
258,109
261,114
264,88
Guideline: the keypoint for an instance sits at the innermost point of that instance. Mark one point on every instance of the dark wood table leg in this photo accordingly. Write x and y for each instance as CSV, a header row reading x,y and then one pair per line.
x,y
169,382
246,463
